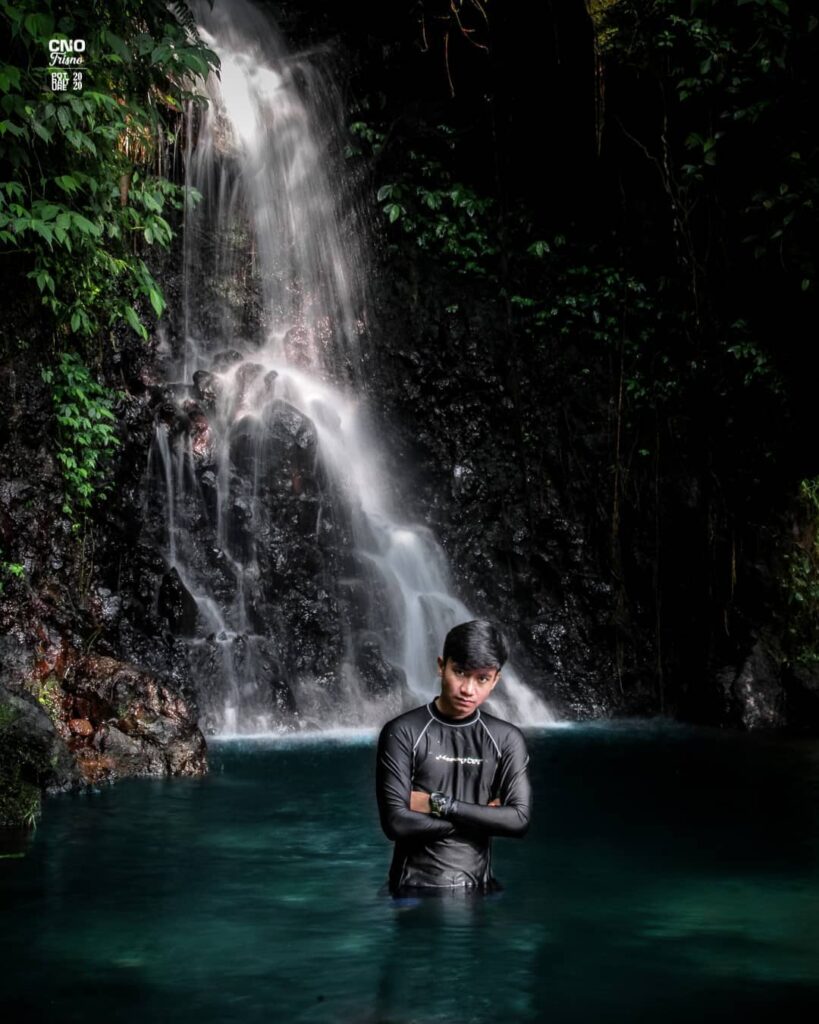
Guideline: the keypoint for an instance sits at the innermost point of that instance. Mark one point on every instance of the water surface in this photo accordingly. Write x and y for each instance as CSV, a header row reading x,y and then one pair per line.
x,y
670,874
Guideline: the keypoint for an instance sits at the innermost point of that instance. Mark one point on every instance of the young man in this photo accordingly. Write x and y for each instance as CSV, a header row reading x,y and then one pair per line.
x,y
450,776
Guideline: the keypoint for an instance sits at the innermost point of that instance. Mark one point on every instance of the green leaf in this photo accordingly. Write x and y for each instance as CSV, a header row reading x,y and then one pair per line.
x,y
133,319
157,300
39,129
67,183
85,225
39,26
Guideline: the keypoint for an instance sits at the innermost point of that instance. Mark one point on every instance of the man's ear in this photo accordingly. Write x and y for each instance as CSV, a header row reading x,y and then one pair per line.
x,y
440,666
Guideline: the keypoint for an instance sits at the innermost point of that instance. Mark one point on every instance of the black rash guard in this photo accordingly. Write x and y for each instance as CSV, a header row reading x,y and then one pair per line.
x,y
474,760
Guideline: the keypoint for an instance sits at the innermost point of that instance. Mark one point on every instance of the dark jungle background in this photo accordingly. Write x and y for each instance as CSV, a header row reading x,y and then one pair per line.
x,y
589,347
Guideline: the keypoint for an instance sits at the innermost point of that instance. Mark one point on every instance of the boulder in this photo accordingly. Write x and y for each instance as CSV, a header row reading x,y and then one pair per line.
x,y
224,360
207,386
139,724
752,692
246,376
381,680
33,758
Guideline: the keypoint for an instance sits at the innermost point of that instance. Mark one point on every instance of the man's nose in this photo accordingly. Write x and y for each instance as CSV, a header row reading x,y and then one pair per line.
x,y
468,685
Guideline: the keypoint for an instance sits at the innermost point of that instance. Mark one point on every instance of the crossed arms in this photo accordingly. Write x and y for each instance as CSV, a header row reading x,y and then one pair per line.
x,y
405,812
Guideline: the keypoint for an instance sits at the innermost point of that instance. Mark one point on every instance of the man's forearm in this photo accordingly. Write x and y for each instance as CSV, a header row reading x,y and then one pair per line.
x,y
497,820
493,818
403,823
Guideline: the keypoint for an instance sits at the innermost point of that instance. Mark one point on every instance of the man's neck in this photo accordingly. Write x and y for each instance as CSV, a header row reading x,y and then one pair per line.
x,y
440,713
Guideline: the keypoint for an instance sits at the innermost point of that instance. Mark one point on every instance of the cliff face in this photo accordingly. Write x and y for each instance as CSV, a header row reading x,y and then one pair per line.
x,y
77,708
96,631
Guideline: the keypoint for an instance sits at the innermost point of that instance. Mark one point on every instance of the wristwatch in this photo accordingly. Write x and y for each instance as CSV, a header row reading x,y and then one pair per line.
x,y
439,804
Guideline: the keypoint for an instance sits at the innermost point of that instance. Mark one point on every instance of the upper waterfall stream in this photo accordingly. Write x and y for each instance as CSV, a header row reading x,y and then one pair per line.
x,y
277,508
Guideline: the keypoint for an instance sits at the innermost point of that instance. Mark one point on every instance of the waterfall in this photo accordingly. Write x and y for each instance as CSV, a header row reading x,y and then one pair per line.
x,y
277,503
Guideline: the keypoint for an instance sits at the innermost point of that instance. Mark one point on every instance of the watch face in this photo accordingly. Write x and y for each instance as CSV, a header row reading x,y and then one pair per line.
x,y
437,802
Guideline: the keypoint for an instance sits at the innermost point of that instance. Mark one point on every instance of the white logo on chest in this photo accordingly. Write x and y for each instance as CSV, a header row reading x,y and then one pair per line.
x,y
459,760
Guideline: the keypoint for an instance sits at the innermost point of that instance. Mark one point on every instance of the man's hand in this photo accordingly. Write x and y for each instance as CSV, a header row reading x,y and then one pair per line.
x,y
420,802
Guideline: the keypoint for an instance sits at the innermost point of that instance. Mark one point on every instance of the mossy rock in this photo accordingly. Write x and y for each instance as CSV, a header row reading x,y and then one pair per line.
x,y
33,758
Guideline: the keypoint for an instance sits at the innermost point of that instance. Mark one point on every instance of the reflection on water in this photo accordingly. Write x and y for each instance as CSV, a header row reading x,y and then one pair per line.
x,y
670,874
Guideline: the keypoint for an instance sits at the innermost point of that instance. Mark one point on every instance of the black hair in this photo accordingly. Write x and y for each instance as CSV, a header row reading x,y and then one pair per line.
x,y
475,644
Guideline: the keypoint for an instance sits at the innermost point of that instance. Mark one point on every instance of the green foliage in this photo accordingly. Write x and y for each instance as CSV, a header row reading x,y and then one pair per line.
x,y
14,570
49,694
801,578
727,76
77,193
443,217
86,434
80,199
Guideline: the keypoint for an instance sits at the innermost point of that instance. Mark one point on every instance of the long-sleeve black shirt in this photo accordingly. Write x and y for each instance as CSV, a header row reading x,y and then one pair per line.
x,y
474,760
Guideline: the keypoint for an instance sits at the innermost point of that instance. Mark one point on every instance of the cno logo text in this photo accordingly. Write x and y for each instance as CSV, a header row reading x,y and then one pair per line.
x,y
66,51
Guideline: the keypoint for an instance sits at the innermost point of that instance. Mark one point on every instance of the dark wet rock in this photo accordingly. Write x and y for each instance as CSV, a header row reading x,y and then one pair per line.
x,y
169,394
33,758
289,427
244,445
380,679
207,386
246,376
140,725
201,437
297,347
224,360
270,381
177,605
753,692
168,414
107,607
801,688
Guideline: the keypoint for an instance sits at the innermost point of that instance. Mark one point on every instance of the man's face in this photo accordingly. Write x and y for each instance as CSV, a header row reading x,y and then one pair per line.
x,y
464,689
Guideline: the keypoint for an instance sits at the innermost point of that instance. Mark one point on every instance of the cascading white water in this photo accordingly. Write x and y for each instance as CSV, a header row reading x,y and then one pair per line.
x,y
273,399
